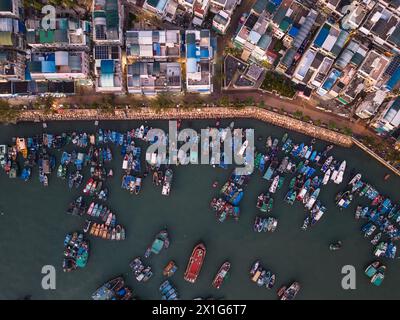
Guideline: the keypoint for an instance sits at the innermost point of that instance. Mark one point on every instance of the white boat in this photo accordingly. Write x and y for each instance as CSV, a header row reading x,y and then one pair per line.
x,y
3,155
313,198
274,184
334,174
167,182
326,177
355,179
340,175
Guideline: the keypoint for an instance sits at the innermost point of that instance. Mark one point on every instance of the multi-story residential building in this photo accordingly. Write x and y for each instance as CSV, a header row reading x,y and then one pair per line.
x,y
59,65
221,22
199,61
159,45
373,67
11,33
108,68
12,65
152,61
225,5
388,119
153,77
69,33
298,41
223,10
330,40
11,8
107,21
165,9
107,37
383,26
370,104
353,88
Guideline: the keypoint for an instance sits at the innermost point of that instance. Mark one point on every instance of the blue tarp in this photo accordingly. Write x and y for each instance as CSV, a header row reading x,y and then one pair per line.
x,y
204,53
157,49
107,66
191,50
276,2
293,31
394,79
330,81
322,35
48,67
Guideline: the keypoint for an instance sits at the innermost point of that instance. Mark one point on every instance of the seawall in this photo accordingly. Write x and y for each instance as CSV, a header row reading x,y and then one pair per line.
x,y
198,113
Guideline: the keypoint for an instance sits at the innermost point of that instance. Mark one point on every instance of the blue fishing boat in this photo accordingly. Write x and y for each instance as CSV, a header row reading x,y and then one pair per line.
x,y
25,174
268,174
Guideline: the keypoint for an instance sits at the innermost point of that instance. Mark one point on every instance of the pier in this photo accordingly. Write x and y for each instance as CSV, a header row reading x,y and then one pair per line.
x,y
196,114
376,157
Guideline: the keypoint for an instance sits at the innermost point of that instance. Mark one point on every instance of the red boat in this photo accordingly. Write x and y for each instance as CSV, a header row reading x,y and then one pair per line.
x,y
195,263
221,275
88,186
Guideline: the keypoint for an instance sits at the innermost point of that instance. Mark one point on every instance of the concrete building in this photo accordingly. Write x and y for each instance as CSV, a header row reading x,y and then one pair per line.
x,y
58,65
107,21
370,104
388,119
383,26
372,68
148,44
199,61
107,37
12,65
150,78
69,33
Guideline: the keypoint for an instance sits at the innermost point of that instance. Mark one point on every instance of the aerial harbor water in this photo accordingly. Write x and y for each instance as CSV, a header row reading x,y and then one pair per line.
x,y
33,225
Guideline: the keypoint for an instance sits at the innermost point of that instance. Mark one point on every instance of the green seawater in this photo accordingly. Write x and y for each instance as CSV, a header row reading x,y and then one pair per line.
x,y
33,224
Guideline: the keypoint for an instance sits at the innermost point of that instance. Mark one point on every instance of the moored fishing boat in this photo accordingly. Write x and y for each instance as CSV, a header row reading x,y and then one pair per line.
x,y
340,175
261,276
170,269
160,242
312,199
274,184
327,175
168,291
304,190
195,263
327,163
289,293
291,196
167,182
375,272
221,275
141,272
113,289
76,251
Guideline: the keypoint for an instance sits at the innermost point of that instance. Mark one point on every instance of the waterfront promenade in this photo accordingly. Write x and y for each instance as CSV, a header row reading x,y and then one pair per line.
x,y
198,113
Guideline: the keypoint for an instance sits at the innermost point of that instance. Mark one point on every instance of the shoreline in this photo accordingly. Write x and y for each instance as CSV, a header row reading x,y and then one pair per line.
x,y
195,114
256,113
375,156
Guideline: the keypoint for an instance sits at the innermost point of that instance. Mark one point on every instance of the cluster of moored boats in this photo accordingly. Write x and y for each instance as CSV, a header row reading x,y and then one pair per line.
x,y
76,251
382,216
302,161
231,193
